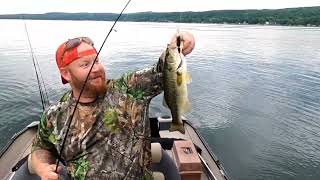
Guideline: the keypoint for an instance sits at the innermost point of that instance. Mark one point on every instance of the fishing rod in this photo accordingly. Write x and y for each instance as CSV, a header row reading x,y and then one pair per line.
x,y
43,84
43,95
84,84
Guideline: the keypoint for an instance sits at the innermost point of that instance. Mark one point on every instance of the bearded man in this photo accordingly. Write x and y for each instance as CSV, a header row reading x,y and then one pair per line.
x,y
108,136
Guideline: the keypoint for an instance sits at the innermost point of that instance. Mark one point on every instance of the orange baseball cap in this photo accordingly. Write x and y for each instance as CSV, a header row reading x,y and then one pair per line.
x,y
71,50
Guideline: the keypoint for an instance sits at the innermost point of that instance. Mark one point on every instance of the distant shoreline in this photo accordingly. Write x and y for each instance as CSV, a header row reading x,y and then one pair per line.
x,y
274,25
303,16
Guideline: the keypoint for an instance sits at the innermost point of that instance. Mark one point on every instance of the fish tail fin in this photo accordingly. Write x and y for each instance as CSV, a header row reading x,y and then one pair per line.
x,y
177,127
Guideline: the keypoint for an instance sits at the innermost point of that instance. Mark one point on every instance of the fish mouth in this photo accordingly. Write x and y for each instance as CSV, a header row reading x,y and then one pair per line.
x,y
180,64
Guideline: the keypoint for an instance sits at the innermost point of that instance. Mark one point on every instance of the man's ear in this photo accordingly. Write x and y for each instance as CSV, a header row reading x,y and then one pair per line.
x,y
65,73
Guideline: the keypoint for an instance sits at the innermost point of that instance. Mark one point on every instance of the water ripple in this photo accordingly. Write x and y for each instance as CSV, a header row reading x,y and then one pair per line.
x,y
255,94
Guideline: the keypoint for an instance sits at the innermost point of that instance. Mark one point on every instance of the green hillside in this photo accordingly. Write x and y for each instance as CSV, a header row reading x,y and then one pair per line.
x,y
291,16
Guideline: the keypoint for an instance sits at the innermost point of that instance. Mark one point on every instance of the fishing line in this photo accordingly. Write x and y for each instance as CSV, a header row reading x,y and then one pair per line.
x,y
43,84
42,95
84,84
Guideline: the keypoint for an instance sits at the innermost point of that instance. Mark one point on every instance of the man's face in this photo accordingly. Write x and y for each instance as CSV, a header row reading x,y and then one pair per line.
x,y
78,71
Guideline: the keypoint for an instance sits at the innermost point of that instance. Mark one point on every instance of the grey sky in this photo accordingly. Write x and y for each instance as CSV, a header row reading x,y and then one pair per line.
x,y
42,6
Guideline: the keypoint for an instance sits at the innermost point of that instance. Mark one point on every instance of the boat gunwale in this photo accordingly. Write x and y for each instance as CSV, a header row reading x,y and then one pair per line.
x,y
16,135
214,157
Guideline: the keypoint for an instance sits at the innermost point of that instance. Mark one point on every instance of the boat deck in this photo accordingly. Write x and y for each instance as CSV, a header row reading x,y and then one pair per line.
x,y
20,146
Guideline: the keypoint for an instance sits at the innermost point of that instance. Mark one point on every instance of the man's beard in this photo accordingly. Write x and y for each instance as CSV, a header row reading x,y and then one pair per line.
x,y
91,89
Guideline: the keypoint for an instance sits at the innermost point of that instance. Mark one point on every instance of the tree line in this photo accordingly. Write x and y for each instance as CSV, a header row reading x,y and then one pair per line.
x,y
306,16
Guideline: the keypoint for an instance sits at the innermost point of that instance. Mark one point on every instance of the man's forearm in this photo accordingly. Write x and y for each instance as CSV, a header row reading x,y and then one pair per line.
x,y
41,157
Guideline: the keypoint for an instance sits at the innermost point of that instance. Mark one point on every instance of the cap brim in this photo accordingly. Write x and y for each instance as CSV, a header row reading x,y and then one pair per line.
x,y
63,80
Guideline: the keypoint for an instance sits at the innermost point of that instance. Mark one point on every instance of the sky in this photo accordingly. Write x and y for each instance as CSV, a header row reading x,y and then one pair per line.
x,y
115,6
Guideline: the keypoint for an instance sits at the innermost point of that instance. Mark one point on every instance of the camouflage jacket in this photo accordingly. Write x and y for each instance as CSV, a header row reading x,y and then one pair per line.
x,y
108,138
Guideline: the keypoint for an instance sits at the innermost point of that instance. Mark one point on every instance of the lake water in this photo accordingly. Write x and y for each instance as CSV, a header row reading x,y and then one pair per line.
x,y
255,93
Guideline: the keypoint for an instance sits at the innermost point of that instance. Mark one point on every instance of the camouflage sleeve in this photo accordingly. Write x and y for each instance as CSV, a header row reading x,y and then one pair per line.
x,y
44,138
142,84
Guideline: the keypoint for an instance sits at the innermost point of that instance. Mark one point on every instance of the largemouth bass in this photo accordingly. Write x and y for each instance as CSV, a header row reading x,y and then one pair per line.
x,y
175,80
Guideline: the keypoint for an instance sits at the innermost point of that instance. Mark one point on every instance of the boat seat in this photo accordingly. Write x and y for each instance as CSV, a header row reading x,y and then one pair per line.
x,y
158,176
163,166
156,155
156,152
